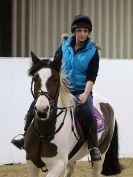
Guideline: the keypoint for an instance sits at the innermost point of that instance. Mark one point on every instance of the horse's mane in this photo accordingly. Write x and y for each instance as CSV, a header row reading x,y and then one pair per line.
x,y
45,63
65,96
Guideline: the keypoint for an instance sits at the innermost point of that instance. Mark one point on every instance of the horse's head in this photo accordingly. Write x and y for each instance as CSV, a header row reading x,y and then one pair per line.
x,y
46,79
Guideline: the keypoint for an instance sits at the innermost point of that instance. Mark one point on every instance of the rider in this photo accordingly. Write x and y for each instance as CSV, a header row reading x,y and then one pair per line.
x,y
80,63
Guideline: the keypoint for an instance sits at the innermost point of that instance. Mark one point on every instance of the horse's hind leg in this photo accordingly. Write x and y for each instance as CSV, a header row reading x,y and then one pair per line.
x,y
32,169
69,169
97,167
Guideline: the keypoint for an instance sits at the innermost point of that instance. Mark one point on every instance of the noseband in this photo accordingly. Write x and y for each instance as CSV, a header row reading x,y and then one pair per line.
x,y
52,100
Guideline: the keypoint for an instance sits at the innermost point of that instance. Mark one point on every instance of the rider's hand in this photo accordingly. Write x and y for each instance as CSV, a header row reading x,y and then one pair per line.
x,y
83,97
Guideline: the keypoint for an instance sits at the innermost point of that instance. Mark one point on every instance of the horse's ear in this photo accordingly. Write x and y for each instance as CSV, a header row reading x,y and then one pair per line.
x,y
57,62
35,59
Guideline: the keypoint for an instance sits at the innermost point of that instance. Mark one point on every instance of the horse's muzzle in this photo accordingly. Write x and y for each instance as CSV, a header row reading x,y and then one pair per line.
x,y
41,114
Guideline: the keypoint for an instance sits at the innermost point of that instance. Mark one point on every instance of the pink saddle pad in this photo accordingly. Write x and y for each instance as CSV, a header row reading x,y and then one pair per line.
x,y
100,120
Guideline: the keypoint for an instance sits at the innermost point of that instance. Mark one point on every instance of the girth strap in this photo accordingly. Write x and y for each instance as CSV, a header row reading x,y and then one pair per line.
x,y
76,149
72,118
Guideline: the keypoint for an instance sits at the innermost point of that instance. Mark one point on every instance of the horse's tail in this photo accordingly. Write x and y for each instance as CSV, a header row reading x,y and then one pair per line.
x,y
111,165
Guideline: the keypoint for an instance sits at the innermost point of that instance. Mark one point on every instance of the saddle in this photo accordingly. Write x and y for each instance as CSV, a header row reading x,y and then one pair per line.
x,y
80,121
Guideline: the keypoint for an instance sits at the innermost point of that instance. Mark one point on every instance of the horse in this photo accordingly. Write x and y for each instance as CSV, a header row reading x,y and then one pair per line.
x,y
51,139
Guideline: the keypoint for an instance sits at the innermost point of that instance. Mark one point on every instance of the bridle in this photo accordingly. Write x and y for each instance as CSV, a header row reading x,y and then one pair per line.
x,y
31,89
52,100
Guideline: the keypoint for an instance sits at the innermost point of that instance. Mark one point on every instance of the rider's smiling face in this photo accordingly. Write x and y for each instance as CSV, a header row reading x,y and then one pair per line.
x,y
81,34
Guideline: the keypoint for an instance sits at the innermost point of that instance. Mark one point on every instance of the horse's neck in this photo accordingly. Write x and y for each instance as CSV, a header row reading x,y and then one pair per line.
x,y
69,140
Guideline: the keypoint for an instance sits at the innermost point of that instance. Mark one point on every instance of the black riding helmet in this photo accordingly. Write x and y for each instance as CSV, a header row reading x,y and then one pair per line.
x,y
82,21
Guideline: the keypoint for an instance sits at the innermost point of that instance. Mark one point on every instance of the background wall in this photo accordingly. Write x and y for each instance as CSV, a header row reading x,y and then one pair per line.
x,y
38,25
114,82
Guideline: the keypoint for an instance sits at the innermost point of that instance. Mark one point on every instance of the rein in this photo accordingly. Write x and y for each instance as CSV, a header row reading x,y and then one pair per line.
x,y
31,88
64,109
41,136
72,118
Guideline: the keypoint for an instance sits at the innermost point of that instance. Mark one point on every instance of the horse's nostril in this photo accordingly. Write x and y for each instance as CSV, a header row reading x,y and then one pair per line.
x,y
47,108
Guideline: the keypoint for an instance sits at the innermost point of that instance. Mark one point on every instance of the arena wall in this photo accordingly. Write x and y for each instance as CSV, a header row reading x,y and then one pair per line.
x,y
114,82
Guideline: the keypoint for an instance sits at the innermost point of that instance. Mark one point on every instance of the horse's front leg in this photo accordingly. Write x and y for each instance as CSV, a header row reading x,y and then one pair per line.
x,y
32,169
54,170
69,169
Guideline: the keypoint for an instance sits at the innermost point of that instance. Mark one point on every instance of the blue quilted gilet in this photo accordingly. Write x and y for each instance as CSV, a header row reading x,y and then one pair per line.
x,y
75,64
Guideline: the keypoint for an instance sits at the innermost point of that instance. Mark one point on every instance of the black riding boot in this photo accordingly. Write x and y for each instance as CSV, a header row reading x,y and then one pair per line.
x,y
93,139
28,119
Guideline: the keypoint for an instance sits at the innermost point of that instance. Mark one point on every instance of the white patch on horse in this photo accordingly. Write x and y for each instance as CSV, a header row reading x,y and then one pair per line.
x,y
42,102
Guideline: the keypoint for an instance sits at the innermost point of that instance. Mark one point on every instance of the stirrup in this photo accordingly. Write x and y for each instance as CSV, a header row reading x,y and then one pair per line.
x,y
13,141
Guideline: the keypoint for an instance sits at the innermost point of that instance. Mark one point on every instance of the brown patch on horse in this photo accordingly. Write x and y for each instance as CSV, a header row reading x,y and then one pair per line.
x,y
52,83
37,84
49,149
32,147
36,147
108,114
